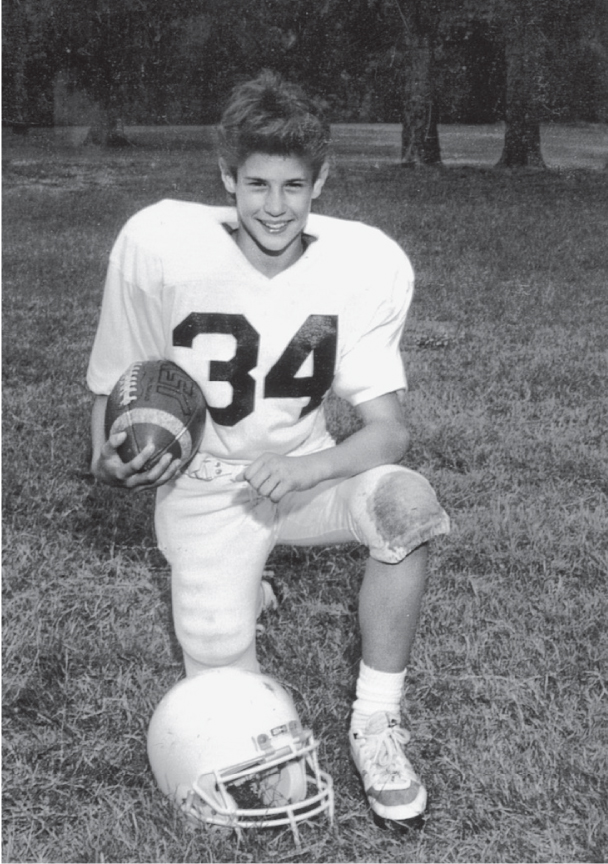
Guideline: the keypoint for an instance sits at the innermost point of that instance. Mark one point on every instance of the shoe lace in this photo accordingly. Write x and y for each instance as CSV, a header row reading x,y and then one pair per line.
x,y
388,762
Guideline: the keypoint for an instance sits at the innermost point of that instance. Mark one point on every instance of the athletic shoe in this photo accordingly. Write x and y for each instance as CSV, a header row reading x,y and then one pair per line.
x,y
394,790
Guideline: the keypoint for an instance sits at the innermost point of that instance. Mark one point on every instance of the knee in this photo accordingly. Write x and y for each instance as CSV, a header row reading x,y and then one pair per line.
x,y
396,510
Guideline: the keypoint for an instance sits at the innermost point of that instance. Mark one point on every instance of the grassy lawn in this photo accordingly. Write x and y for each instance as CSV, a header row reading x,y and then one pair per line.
x,y
507,358
563,146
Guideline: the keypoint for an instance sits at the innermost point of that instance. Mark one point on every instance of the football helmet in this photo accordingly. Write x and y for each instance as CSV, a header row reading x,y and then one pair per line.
x,y
228,747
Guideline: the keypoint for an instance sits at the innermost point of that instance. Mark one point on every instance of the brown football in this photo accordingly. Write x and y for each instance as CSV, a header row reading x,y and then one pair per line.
x,y
155,401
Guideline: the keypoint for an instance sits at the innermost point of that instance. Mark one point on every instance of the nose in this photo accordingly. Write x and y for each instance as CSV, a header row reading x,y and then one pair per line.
x,y
274,204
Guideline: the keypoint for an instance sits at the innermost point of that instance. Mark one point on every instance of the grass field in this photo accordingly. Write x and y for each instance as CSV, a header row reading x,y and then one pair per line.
x,y
507,358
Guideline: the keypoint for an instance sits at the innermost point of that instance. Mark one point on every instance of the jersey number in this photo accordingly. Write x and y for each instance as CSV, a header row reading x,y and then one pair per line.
x,y
317,336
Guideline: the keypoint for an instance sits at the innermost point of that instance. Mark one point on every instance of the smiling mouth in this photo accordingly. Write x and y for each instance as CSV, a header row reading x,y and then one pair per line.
x,y
274,227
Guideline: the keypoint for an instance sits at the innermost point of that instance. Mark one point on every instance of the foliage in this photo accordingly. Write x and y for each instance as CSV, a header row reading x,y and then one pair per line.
x,y
506,358
150,61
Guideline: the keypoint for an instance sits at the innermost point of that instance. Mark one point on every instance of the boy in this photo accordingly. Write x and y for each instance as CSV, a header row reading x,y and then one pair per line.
x,y
268,307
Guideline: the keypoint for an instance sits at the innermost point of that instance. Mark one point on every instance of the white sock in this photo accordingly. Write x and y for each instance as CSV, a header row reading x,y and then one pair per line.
x,y
376,691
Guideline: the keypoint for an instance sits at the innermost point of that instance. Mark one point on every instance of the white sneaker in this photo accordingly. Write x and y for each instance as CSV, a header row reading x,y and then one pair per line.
x,y
394,790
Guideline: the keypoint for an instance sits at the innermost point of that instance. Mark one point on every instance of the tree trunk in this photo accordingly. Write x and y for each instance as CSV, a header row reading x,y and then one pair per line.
x,y
15,39
419,135
522,141
522,146
108,131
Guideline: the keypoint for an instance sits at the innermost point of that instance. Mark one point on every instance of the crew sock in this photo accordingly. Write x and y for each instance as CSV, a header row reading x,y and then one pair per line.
x,y
376,691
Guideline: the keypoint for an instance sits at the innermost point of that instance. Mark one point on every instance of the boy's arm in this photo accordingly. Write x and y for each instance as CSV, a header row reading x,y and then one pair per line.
x,y
107,466
382,440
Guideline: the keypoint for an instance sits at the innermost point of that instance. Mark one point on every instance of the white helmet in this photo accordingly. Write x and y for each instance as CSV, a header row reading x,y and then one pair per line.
x,y
228,736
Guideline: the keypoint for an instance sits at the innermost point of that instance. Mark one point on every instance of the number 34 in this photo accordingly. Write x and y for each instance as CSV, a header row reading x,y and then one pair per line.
x,y
317,336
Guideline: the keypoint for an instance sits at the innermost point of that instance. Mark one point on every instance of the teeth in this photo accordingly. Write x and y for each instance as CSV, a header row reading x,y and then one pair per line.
x,y
275,227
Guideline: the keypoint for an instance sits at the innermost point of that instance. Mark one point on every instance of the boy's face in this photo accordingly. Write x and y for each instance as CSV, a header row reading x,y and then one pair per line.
x,y
273,198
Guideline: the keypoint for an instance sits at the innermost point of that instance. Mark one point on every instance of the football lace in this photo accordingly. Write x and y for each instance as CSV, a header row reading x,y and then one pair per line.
x,y
128,387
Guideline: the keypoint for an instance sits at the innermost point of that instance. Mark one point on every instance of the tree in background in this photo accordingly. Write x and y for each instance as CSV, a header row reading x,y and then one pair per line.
x,y
128,54
577,52
420,20
389,46
407,61
27,69
471,73
523,26
531,31
524,31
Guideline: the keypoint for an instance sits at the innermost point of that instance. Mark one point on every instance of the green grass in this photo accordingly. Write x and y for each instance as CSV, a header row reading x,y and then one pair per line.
x,y
507,358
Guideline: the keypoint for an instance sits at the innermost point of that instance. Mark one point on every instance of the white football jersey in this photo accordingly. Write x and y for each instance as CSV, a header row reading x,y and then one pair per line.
x,y
265,351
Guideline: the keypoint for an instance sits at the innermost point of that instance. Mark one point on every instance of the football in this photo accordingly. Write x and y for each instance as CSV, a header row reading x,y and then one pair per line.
x,y
156,402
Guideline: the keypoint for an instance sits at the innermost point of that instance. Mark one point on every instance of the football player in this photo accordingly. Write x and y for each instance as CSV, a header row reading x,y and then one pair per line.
x,y
269,307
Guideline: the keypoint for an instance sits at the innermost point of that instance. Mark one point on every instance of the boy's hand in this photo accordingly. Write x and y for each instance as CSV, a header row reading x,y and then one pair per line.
x,y
110,469
273,476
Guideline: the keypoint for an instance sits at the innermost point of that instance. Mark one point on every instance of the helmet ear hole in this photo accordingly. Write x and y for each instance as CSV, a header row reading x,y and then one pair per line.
x,y
284,786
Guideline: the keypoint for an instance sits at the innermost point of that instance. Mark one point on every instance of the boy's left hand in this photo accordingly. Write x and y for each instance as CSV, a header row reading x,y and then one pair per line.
x,y
273,476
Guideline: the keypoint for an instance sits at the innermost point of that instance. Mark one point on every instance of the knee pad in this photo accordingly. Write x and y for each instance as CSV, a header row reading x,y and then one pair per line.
x,y
213,627
217,645
395,510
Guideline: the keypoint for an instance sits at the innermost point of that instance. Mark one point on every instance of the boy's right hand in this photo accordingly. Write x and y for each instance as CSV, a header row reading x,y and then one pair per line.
x,y
109,468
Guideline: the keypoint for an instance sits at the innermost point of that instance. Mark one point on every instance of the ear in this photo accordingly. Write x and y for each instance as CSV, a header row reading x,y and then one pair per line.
x,y
228,178
320,181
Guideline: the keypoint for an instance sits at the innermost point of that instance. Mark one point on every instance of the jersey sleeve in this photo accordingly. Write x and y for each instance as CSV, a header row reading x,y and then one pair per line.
x,y
130,325
371,364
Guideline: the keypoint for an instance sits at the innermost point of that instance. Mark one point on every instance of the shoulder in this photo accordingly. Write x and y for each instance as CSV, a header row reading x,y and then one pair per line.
x,y
363,245
168,211
359,247
169,221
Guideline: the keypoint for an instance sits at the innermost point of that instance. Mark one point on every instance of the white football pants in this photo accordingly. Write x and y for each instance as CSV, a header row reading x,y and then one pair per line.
x,y
217,535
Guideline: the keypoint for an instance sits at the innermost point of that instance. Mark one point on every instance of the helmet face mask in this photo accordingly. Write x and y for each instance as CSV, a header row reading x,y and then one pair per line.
x,y
228,747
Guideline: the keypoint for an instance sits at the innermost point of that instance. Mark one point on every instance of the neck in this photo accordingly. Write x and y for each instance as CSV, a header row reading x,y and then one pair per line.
x,y
268,263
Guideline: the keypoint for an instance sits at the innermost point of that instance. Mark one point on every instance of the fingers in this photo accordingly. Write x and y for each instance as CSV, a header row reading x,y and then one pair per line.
x,y
270,488
269,475
133,475
164,470
138,477
115,440
139,462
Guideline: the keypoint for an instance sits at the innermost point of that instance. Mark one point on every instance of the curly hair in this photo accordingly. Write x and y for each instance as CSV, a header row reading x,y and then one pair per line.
x,y
271,115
